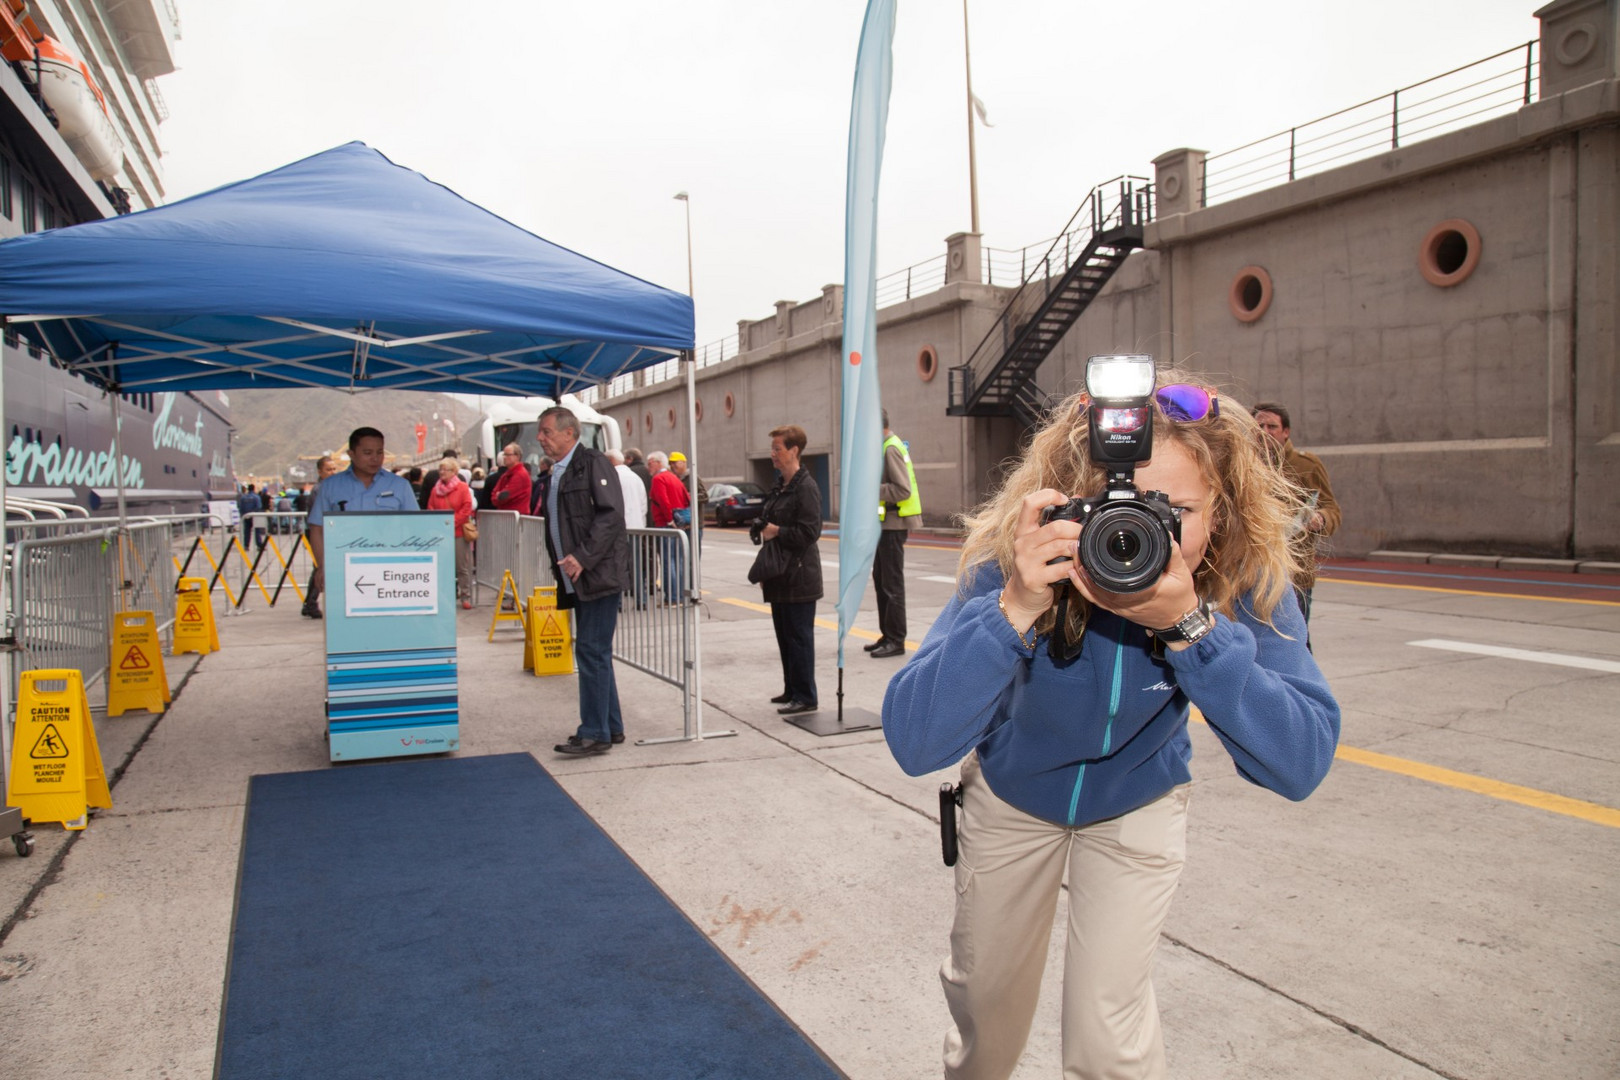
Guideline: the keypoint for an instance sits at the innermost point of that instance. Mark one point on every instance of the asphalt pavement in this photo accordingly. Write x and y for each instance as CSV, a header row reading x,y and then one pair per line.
x,y
1443,906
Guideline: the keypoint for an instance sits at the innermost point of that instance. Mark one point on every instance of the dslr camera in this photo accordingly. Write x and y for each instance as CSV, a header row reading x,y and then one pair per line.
x,y
1126,533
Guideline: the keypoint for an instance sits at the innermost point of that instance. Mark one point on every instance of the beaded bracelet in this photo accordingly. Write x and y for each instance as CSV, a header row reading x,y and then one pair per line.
x,y
1029,642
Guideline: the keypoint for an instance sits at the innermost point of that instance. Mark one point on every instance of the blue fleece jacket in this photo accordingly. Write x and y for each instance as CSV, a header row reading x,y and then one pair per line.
x,y
1107,733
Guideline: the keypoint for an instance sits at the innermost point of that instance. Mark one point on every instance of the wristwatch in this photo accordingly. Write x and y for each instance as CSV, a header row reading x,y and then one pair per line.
x,y
1190,627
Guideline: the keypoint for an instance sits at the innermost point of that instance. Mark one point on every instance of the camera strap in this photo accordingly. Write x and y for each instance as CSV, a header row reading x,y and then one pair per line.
x,y
1059,646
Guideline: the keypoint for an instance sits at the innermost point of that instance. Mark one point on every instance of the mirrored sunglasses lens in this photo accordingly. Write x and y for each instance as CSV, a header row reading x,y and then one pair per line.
x,y
1186,404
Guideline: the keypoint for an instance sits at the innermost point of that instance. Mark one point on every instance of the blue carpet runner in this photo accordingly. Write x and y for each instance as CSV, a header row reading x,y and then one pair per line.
x,y
463,918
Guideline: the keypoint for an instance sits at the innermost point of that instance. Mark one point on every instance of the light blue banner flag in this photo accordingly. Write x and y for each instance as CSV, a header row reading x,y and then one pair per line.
x,y
861,461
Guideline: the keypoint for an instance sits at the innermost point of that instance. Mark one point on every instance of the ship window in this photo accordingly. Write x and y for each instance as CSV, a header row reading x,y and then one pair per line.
x,y
29,224
49,214
5,185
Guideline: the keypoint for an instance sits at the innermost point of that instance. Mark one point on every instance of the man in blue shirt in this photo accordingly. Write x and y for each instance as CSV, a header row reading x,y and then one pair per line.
x,y
364,485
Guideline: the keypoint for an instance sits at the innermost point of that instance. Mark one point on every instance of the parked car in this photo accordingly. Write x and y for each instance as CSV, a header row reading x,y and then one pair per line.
x,y
734,504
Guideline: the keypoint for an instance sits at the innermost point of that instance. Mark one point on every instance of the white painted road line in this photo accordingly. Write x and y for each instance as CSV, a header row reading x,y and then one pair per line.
x,y
1587,662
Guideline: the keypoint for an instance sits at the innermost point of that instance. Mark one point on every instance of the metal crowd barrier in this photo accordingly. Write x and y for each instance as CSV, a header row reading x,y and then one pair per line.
x,y
511,542
65,589
658,623
658,617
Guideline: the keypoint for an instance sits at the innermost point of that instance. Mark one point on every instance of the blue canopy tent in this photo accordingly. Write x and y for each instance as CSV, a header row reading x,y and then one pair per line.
x,y
341,270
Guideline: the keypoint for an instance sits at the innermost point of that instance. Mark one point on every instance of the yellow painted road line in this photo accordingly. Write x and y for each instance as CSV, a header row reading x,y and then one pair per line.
x,y
825,624
1496,789
1596,813
1468,592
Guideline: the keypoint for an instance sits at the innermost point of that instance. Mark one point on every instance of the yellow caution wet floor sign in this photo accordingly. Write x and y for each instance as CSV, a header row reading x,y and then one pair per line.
x,y
194,629
136,679
56,772
548,647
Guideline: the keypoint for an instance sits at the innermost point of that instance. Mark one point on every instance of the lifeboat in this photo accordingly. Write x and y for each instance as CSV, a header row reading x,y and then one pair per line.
x,y
66,85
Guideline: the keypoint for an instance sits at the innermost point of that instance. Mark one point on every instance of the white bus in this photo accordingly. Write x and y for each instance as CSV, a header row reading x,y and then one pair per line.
x,y
509,420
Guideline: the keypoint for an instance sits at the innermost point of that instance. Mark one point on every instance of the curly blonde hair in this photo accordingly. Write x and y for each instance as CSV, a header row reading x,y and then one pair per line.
x,y
1249,520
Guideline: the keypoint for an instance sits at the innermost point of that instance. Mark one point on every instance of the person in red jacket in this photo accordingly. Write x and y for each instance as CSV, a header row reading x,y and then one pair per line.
x,y
513,489
668,495
452,493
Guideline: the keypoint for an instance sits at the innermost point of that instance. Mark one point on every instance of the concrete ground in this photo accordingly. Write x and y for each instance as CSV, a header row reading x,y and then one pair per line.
x,y
1428,912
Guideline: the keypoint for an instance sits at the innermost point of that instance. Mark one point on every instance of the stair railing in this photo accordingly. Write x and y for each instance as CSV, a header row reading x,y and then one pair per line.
x,y
1119,203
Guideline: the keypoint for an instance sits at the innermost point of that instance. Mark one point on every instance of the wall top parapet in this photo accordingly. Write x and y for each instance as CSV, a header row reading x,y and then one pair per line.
x,y
1591,105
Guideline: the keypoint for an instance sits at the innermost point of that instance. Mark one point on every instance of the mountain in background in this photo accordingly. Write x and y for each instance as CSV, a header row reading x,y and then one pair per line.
x,y
278,430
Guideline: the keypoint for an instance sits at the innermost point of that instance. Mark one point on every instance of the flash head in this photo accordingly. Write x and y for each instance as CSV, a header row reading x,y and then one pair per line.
x,y
1119,378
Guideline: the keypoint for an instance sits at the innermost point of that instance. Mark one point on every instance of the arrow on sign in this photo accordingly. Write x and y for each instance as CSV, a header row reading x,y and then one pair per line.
x,y
362,583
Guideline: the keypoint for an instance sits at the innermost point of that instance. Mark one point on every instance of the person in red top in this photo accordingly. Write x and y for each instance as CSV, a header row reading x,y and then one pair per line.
x,y
668,495
452,493
513,489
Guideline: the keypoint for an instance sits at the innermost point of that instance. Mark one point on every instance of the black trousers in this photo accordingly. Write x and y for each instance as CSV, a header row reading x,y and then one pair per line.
x,y
889,582
796,640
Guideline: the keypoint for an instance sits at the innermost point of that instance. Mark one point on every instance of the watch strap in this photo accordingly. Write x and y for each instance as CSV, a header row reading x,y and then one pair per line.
x,y
1190,627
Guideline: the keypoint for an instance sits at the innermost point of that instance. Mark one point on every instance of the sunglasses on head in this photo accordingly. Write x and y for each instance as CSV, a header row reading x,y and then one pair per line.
x,y
1181,402
1186,404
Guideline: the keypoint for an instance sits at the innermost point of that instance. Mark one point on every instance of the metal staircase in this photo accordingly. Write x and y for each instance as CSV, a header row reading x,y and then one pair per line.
x,y
999,378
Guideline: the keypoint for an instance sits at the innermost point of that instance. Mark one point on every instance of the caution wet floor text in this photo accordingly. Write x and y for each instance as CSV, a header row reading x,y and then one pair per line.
x,y
56,771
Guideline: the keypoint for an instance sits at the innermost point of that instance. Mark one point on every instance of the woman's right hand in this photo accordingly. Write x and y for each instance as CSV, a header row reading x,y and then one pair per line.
x,y
770,531
1028,592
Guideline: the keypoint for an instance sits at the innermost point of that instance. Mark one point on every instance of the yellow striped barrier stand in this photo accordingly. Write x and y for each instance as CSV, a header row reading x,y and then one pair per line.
x,y
503,615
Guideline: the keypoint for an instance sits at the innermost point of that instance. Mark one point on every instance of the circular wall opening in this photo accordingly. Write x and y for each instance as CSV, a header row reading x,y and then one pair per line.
x,y
646,424
629,425
1449,253
1250,294
697,407
731,404
672,418
927,363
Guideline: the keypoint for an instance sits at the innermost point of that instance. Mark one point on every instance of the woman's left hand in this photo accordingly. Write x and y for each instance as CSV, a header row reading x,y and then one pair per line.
x,y
1171,597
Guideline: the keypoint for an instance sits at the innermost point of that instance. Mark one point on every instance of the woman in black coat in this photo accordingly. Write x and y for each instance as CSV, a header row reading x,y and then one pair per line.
x,y
792,519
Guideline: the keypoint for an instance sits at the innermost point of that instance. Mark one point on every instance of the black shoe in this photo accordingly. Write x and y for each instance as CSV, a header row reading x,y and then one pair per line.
x,y
310,612
887,649
793,708
578,747
874,646
781,699
575,740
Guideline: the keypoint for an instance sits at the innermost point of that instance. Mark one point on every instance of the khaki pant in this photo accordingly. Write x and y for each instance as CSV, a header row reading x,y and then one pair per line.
x,y
1122,874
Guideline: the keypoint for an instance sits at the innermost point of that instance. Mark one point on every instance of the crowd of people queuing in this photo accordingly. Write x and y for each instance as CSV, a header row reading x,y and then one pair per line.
x,y
513,484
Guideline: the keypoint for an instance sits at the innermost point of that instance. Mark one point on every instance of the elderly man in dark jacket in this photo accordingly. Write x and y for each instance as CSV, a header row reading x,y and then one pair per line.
x,y
590,556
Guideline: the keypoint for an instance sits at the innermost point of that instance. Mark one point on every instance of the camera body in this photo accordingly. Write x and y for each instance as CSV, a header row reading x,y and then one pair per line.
x,y
755,529
1126,533
1125,536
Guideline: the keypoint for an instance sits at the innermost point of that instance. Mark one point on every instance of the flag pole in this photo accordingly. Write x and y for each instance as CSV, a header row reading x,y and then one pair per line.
x,y
973,163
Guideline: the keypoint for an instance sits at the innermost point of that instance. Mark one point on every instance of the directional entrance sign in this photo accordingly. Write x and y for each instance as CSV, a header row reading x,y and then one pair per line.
x,y
391,583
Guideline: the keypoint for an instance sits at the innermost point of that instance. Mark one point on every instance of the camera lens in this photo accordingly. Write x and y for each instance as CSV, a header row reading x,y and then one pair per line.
x,y
1125,547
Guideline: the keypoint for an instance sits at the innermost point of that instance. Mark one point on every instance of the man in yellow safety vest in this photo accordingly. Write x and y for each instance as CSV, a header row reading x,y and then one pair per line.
x,y
899,505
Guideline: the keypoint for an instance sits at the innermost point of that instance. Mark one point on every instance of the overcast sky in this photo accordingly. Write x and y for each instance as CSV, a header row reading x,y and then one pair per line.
x,y
580,121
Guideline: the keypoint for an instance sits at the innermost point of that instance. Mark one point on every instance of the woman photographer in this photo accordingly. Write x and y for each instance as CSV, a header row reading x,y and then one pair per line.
x,y
1082,764
791,518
